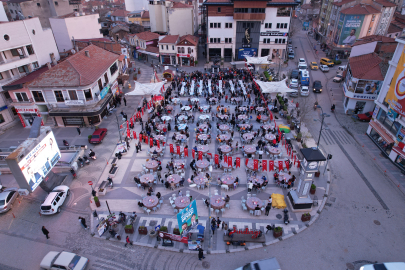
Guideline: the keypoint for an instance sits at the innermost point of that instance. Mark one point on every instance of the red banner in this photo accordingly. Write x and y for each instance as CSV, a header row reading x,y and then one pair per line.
x,y
209,154
142,111
140,137
271,116
295,159
255,164
186,151
287,164
158,143
173,237
271,165
229,161
127,124
134,134
226,159
264,164
280,165
298,163
238,162
246,161
148,105
200,155
171,149
178,149
216,159
151,142
132,122
146,139
193,153
128,133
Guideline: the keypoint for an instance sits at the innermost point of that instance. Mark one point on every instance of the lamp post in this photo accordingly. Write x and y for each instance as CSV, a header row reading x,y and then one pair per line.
x,y
323,115
118,125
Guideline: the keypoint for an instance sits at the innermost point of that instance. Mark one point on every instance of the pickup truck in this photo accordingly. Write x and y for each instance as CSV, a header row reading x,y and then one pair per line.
x,y
266,264
240,237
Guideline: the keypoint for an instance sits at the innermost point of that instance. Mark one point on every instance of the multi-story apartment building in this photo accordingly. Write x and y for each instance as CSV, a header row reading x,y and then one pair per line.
x,y
167,49
253,28
74,92
43,9
24,48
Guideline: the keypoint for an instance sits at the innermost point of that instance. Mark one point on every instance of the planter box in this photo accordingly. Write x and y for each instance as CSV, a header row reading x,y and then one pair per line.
x,y
277,234
153,233
113,171
317,174
143,231
102,193
312,191
298,139
164,230
130,230
305,218
97,203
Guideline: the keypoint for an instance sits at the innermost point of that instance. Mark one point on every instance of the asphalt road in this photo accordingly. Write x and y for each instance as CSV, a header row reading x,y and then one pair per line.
x,y
361,223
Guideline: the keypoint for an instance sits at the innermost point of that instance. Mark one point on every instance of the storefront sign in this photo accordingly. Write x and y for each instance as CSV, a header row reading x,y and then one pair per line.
x,y
364,96
242,52
24,110
375,111
396,93
74,102
104,92
3,108
149,42
401,135
273,33
183,55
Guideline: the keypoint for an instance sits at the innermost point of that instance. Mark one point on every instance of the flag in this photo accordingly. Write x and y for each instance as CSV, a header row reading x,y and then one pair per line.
x,y
142,111
158,143
295,159
132,121
200,155
127,124
271,165
134,134
140,137
171,149
151,142
280,165
216,159
148,105
298,163
193,152
271,116
238,162
226,159
146,139
246,161
287,164
186,151
229,161
264,164
255,164
209,155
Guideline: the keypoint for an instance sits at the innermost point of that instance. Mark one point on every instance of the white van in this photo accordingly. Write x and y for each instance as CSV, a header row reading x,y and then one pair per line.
x,y
302,66
341,69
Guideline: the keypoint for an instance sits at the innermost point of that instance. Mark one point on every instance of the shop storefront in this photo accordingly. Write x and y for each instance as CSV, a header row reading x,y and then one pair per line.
x,y
27,115
185,59
168,58
148,56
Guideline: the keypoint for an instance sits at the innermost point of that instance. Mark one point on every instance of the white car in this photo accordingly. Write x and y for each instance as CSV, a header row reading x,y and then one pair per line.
x,y
294,83
53,202
324,68
386,266
304,91
302,61
63,260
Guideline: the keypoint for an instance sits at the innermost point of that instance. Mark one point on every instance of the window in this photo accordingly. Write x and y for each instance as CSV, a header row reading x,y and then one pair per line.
x,y
228,25
241,10
215,40
11,11
38,5
30,49
14,52
215,25
257,10
105,77
38,97
23,69
72,94
372,19
267,25
211,25
56,3
173,47
247,25
266,40
182,50
167,47
219,10
228,40
162,47
1,76
35,65
113,68
178,49
100,85
21,97
87,94
1,118
59,96
188,50
283,40
282,26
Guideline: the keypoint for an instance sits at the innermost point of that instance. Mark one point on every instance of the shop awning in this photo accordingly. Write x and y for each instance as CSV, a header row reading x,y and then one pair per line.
x,y
274,87
399,151
381,131
258,60
149,53
146,89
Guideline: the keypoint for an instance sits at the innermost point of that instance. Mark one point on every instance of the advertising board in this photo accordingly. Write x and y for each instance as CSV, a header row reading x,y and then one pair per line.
x,y
396,93
39,161
188,218
242,52
348,29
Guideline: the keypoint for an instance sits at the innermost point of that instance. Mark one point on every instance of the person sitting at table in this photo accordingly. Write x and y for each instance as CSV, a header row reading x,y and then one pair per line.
x,y
158,195
181,182
257,207
180,194
167,185
250,186
140,204
155,152
227,198
150,189
137,180
207,203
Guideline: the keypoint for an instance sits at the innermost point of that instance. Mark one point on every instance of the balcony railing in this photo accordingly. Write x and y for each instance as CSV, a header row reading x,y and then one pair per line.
x,y
283,13
30,100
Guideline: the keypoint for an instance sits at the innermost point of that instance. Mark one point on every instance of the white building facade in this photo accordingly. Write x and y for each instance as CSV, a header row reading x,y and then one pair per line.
x,y
25,47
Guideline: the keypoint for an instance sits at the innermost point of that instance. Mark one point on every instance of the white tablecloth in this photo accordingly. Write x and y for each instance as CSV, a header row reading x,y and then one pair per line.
x,y
182,126
220,87
200,88
243,87
192,88
182,88
232,86
166,118
204,116
209,87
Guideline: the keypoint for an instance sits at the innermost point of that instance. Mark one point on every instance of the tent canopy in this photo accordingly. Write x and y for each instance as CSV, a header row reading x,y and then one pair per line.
x,y
274,87
146,89
258,60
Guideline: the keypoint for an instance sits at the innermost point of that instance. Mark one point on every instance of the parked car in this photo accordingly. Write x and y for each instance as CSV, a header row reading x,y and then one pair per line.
x,y
98,135
313,65
364,117
293,94
64,260
324,68
291,55
304,91
302,66
293,83
54,201
295,74
384,266
341,69
266,264
302,61
251,67
317,86
7,198
327,61
338,78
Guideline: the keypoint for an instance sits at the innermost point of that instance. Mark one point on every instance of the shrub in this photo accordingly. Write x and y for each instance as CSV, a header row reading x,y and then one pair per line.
x,y
313,186
130,226
96,199
195,62
278,229
89,137
338,62
163,228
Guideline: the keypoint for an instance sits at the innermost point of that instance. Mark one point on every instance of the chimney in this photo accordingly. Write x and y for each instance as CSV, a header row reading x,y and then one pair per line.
x,y
87,53
49,65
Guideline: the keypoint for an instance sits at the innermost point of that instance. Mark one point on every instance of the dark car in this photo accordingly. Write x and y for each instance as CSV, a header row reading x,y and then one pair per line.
x,y
365,117
98,135
317,86
295,73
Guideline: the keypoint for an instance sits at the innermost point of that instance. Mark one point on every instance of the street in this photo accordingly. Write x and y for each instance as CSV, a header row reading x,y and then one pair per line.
x,y
361,222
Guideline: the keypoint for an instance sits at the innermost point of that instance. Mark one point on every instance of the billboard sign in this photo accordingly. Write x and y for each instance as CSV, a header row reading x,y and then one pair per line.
x,y
396,93
273,33
348,29
246,52
39,162
188,218
104,92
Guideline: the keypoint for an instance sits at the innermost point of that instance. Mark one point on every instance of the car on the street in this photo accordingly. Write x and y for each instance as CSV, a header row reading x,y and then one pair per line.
x,y
54,201
302,66
313,65
341,69
317,86
293,94
7,198
338,78
384,266
291,55
293,83
98,135
364,117
251,67
302,61
304,91
327,61
266,264
63,260
324,68
295,74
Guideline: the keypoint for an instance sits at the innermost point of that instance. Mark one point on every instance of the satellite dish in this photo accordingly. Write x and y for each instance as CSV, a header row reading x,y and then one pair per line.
x,y
73,51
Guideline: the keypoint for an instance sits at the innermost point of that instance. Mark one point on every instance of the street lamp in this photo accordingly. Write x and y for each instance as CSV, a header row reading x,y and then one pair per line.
x,y
323,115
118,124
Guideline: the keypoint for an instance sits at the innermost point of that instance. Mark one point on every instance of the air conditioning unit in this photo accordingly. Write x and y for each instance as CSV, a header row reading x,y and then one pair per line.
x,y
23,192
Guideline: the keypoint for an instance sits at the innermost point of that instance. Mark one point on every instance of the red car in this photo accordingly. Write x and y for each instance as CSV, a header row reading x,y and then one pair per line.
x,y
98,135
365,117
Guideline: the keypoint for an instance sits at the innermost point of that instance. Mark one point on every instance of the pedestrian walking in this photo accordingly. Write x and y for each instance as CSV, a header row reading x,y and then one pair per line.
x,y
140,146
125,101
268,207
218,222
200,253
79,131
83,222
128,241
213,227
223,225
45,231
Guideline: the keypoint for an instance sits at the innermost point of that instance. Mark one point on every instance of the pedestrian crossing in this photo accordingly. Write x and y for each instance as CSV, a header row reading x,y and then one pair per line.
x,y
331,137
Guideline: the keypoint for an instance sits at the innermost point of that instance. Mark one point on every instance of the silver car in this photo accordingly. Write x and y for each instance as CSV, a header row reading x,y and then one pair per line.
x,y
7,198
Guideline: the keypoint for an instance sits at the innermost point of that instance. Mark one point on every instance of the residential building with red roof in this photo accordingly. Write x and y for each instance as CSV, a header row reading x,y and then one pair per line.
x,y
140,42
187,50
397,25
167,49
120,15
77,90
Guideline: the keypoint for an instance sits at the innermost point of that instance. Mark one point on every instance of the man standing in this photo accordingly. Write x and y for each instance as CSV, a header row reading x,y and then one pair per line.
x,y
218,222
125,101
139,146
45,231
268,207
200,253
83,222
79,131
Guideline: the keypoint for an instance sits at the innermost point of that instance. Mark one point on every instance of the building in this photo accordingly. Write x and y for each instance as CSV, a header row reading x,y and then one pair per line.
x,y
173,18
167,49
135,17
26,47
43,9
146,20
383,46
235,29
119,31
3,15
145,46
187,50
120,15
387,128
131,5
78,90
397,25
68,27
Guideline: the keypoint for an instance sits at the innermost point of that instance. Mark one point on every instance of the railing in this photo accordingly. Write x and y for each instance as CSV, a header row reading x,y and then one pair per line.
x,y
283,14
30,100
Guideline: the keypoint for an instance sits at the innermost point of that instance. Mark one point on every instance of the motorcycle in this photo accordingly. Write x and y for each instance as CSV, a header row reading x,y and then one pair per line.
x,y
110,110
80,161
122,217
132,218
86,160
286,217
92,154
65,143
110,182
73,173
332,109
114,234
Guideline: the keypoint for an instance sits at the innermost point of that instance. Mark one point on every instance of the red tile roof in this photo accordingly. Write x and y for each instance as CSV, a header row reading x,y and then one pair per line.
x,y
192,39
146,36
341,3
153,49
360,10
26,79
385,3
169,39
394,28
78,69
145,15
372,38
120,13
218,1
366,67
180,5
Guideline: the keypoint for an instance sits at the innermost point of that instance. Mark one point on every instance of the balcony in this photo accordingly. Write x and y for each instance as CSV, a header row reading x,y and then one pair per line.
x,y
359,93
249,16
15,102
285,13
17,62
